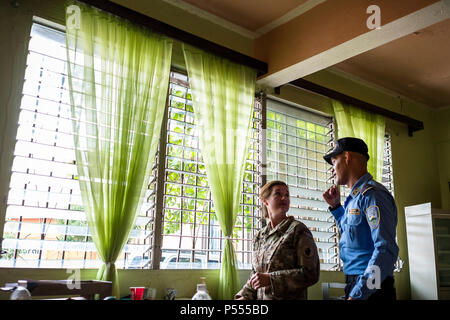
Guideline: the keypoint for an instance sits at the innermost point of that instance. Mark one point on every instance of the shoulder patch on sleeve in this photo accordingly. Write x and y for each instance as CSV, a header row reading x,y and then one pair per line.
x,y
373,216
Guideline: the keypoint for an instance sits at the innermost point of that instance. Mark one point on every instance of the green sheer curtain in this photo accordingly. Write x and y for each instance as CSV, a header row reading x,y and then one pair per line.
x,y
118,78
223,94
355,122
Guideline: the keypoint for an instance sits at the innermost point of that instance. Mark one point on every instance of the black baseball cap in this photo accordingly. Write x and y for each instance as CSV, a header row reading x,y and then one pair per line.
x,y
347,144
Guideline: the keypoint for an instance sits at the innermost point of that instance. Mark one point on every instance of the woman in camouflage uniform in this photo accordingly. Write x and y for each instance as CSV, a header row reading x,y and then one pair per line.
x,y
285,259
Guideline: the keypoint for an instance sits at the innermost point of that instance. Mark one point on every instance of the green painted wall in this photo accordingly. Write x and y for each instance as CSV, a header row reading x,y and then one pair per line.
x,y
185,281
442,148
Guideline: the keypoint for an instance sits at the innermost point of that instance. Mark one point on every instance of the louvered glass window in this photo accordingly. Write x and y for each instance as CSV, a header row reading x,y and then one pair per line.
x,y
45,225
192,235
296,142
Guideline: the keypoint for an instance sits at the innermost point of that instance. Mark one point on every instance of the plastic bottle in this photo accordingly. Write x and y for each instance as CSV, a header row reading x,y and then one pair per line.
x,y
21,292
202,293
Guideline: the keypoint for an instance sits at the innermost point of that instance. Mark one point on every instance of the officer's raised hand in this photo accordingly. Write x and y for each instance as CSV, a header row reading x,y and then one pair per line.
x,y
332,196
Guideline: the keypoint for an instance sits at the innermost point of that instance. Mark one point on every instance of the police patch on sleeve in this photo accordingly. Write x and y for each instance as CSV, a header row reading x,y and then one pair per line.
x,y
373,216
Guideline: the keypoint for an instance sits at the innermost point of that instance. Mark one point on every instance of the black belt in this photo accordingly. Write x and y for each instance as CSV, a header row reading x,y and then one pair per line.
x,y
389,281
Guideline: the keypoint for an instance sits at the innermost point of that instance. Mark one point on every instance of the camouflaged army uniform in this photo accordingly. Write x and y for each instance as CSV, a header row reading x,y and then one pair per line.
x,y
289,254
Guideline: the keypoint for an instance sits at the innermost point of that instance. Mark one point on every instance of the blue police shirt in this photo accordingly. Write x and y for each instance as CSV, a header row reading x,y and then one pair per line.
x,y
367,224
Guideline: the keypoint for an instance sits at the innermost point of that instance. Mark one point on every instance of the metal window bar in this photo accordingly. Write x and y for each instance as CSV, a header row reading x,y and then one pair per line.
x,y
331,179
388,176
388,182
191,230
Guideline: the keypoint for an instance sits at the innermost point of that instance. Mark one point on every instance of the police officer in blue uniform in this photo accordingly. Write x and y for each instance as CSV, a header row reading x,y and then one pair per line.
x,y
367,223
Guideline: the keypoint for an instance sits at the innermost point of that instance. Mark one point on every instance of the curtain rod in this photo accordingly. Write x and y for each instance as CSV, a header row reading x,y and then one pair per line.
x,y
413,125
178,34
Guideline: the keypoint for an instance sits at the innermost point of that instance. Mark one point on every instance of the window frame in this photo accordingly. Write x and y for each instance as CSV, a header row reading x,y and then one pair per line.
x,y
245,254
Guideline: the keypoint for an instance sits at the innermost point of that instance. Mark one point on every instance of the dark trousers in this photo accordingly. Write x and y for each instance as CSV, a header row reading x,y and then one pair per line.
x,y
385,293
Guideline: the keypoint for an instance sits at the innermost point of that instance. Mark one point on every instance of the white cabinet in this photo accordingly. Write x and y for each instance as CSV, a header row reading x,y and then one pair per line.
x,y
428,236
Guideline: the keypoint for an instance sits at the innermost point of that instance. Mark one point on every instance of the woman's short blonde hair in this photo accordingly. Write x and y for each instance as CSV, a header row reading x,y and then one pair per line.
x,y
265,192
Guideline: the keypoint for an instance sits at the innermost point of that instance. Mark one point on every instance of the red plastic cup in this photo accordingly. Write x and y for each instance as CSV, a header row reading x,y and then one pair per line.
x,y
137,293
